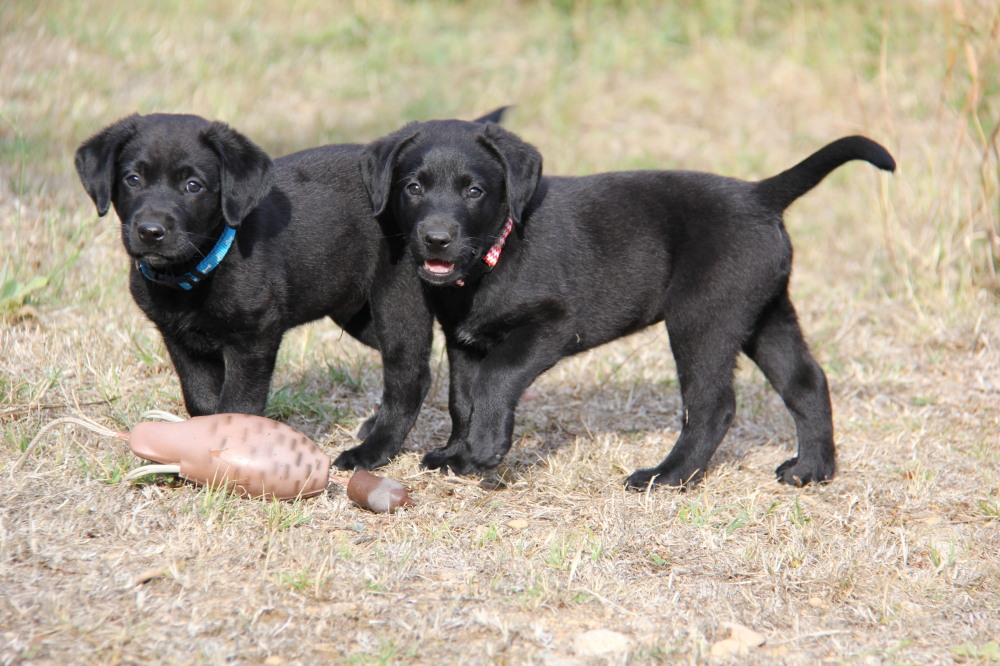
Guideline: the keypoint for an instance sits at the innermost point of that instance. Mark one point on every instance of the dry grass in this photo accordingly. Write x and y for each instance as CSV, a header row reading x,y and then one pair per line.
x,y
894,562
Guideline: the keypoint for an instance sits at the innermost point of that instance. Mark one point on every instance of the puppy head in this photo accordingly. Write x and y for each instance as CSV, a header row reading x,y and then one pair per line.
x,y
174,181
450,185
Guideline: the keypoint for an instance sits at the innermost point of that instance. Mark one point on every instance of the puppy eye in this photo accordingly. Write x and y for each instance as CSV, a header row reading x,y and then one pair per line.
x,y
132,180
414,189
473,192
193,187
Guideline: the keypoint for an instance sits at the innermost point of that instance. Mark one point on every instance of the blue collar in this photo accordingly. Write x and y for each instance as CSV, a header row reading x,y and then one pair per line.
x,y
200,272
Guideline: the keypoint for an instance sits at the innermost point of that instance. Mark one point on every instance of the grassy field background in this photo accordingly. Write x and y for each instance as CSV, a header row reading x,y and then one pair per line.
x,y
552,562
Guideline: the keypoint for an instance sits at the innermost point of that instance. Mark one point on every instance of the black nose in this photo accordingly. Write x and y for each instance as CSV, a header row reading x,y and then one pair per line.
x,y
151,232
437,239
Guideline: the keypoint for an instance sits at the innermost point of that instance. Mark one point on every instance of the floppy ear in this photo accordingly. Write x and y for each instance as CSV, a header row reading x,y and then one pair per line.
x,y
246,171
378,160
97,159
494,116
522,166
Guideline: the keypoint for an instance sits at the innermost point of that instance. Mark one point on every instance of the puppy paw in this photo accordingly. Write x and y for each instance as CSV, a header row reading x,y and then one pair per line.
x,y
644,478
796,473
362,457
448,458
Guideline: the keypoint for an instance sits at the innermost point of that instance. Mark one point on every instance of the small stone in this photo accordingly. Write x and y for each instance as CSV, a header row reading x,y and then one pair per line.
x,y
728,647
740,640
600,642
745,635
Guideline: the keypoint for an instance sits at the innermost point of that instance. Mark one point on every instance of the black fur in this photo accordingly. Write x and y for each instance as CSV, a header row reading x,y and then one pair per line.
x,y
306,247
596,258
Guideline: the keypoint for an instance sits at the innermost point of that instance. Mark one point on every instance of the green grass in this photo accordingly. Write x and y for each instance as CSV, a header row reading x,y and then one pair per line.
x,y
283,516
304,400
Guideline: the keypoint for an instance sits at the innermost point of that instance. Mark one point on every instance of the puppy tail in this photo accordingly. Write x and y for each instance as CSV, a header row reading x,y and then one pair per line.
x,y
780,191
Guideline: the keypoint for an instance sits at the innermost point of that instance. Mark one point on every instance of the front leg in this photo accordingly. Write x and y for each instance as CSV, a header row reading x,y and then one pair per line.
x,y
463,369
403,323
201,373
249,366
361,327
502,377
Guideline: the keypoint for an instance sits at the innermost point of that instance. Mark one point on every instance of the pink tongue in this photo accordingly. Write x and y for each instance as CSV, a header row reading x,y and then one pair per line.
x,y
438,267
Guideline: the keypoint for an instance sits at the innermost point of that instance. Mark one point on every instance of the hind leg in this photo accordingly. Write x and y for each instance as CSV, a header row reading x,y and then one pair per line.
x,y
778,348
705,353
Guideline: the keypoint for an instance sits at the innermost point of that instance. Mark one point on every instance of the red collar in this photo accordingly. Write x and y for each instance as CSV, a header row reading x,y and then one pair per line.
x,y
493,256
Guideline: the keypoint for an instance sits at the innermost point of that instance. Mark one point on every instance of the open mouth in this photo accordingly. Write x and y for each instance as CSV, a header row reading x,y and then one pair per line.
x,y
438,268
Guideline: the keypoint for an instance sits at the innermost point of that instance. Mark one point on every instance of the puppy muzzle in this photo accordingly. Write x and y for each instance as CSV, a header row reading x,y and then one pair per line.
x,y
439,244
157,239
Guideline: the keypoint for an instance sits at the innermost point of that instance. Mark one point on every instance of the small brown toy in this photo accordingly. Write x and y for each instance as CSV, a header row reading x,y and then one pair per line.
x,y
376,493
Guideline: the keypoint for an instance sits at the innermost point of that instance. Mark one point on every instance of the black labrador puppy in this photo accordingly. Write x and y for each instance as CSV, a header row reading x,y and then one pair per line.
x,y
230,250
595,258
